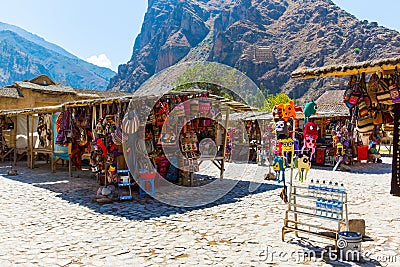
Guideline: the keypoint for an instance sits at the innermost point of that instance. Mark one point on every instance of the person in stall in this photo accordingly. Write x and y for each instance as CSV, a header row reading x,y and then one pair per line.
x,y
373,154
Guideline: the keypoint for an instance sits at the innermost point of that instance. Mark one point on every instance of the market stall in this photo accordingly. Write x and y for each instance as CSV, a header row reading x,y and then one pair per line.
x,y
178,131
251,131
373,97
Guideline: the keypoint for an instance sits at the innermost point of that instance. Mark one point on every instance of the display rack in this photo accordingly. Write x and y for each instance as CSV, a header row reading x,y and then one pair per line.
x,y
319,212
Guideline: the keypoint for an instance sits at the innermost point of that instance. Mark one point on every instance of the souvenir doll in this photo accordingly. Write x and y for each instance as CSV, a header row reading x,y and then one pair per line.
x,y
279,167
303,163
309,109
289,111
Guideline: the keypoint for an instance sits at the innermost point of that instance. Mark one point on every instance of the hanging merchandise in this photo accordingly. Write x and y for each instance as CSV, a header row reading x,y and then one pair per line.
x,y
383,94
310,134
279,166
282,130
365,124
277,112
287,150
44,130
394,87
309,109
372,88
130,123
377,117
302,163
289,111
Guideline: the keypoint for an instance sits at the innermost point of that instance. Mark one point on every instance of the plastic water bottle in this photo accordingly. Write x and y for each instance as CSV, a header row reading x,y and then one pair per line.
x,y
323,207
330,190
336,191
342,191
317,188
340,210
329,208
318,207
334,209
311,188
323,187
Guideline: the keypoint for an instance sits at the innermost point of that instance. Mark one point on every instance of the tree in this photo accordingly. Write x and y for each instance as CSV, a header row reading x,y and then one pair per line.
x,y
272,100
220,80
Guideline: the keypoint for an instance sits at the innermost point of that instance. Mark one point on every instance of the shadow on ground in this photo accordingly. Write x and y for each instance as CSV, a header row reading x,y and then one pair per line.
x,y
363,168
81,189
313,253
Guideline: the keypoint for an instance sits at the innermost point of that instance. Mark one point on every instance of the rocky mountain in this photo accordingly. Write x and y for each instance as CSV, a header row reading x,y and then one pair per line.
x,y
24,56
266,39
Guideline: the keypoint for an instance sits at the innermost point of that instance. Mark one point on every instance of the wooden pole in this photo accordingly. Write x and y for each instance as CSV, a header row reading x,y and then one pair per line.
x,y
32,145
395,184
15,140
52,161
28,150
224,143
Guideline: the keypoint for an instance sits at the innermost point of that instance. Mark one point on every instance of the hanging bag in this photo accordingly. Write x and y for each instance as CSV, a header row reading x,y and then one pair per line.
x,y
130,123
394,88
378,117
372,88
365,125
383,94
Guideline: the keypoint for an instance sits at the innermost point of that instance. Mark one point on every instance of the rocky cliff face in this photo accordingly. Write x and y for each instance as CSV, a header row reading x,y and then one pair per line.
x,y
266,39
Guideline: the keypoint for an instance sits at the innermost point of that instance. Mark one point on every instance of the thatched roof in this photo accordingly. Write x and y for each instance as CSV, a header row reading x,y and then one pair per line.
x,y
45,88
371,66
244,116
85,102
100,94
10,92
331,97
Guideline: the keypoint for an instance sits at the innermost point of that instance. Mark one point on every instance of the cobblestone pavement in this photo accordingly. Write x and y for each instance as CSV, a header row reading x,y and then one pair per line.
x,y
49,220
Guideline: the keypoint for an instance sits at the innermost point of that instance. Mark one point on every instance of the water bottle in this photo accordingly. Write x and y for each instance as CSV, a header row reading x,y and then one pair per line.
x,y
335,209
318,207
342,191
330,190
323,187
323,207
340,210
311,188
317,188
329,207
336,191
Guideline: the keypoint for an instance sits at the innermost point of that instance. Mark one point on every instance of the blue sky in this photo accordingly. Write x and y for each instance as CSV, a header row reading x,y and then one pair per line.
x,y
105,30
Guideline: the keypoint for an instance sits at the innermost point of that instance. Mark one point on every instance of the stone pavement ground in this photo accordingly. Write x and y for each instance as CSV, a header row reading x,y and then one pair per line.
x,y
49,220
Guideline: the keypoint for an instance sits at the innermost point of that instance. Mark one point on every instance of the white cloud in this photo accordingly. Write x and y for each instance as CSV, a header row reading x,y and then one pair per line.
x,y
100,60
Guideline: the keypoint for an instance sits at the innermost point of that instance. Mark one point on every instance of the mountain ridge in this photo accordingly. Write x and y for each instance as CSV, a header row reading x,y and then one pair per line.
x,y
24,56
266,39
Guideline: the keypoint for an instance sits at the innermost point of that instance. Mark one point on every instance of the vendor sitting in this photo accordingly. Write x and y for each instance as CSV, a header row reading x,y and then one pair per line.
x,y
373,154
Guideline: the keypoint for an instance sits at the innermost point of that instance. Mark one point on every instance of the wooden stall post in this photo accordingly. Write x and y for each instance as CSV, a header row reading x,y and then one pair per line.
x,y
15,140
28,142
52,161
395,184
32,144
224,143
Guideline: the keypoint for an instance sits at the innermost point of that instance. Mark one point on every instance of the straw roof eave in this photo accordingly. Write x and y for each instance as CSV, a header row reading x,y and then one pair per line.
x,y
368,67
